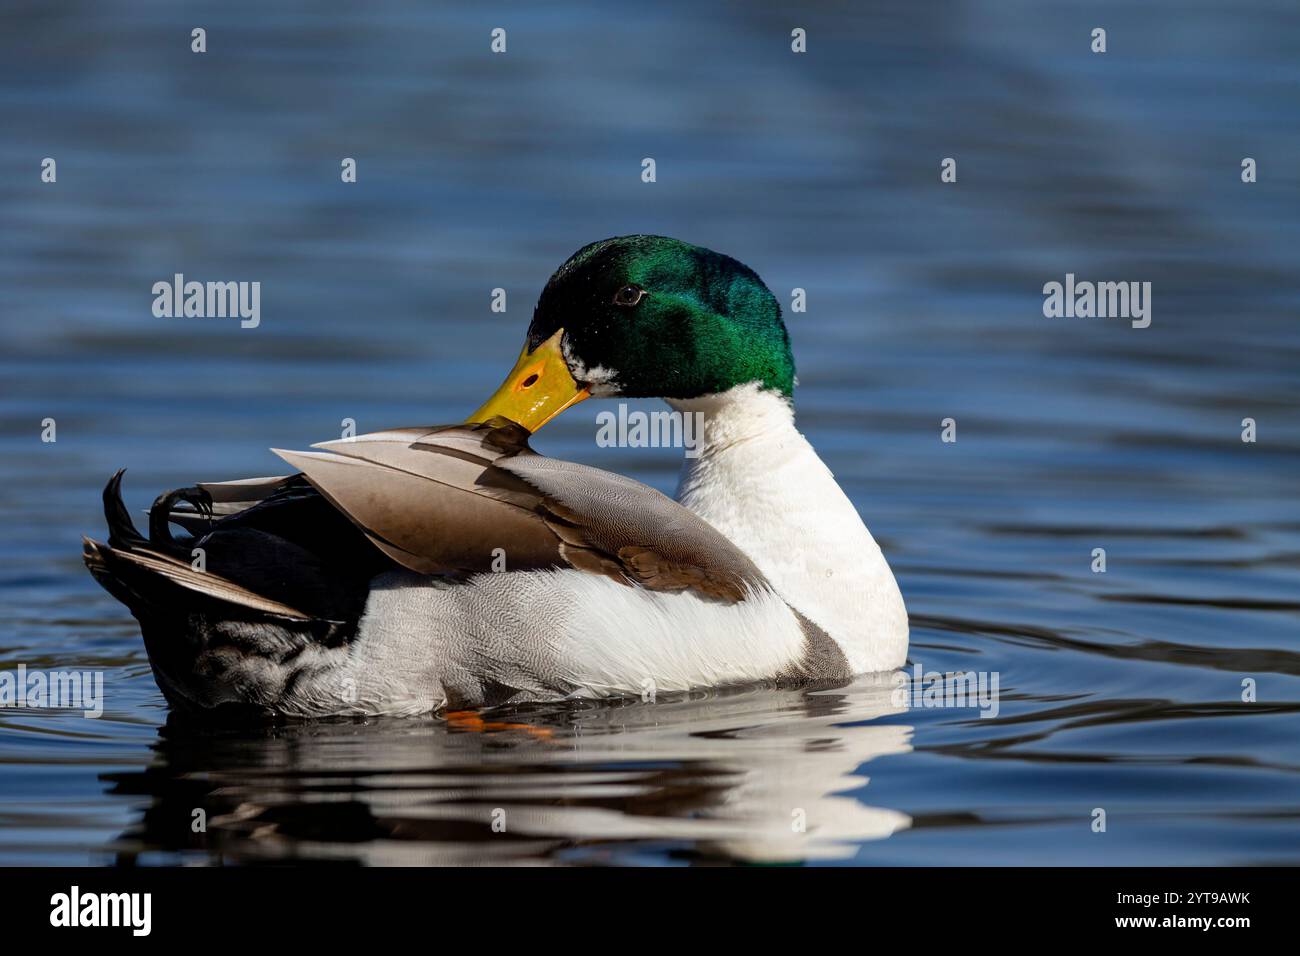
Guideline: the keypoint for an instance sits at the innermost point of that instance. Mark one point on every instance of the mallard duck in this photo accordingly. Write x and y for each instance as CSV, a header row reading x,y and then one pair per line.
x,y
423,569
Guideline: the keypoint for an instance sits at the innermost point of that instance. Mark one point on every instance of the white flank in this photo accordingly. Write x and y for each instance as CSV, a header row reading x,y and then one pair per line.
x,y
552,634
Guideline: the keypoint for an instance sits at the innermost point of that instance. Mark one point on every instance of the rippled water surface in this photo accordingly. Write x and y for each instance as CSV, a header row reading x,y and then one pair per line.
x,y
1121,691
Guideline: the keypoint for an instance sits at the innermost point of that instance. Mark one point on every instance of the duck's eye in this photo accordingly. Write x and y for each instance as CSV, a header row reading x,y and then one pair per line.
x,y
629,295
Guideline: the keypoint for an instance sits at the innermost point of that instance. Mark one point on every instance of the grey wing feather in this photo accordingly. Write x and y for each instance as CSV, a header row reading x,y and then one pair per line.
x,y
658,542
445,500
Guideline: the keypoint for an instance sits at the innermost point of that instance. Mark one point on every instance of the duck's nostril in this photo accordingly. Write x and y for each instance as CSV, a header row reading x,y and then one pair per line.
x,y
530,381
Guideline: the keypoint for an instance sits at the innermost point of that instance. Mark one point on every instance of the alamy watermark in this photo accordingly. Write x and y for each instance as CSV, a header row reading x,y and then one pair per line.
x,y
927,689
62,690
208,300
1102,300
133,911
658,429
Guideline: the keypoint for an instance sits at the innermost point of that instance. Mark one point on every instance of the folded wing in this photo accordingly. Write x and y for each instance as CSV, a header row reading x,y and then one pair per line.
x,y
460,499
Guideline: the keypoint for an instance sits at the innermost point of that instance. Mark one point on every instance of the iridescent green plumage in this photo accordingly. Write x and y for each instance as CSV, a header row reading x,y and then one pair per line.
x,y
705,323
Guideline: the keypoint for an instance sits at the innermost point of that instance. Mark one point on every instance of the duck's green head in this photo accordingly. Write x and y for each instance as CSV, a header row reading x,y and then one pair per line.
x,y
645,317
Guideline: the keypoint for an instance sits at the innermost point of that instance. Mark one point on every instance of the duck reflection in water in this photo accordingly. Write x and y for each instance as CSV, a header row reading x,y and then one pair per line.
x,y
754,775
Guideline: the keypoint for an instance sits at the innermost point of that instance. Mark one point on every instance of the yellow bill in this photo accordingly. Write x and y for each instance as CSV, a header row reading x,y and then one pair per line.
x,y
537,389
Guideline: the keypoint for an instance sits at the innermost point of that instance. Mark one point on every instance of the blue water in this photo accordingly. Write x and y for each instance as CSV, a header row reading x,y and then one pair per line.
x,y
1120,691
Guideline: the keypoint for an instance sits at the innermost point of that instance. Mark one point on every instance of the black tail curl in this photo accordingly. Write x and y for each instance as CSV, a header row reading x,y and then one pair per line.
x,y
122,532
290,552
160,535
